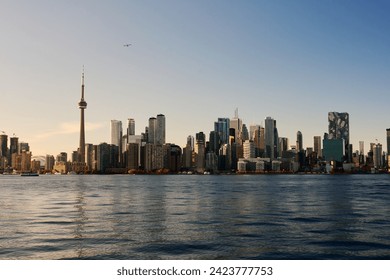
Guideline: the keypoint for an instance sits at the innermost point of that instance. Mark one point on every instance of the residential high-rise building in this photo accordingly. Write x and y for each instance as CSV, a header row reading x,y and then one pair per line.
x,y
160,130
62,157
82,106
191,142
339,129
222,126
317,146
269,133
200,150
116,132
249,149
299,141
23,146
13,149
49,162
116,137
152,130
26,161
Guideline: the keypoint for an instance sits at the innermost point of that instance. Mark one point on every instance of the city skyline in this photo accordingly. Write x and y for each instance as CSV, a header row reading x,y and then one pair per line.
x,y
195,63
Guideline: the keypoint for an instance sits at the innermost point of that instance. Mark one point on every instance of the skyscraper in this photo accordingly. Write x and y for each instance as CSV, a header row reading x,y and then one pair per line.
x,y
152,130
116,132
160,129
236,123
339,129
116,137
3,145
130,127
299,141
82,106
361,147
388,140
317,146
269,133
222,127
377,155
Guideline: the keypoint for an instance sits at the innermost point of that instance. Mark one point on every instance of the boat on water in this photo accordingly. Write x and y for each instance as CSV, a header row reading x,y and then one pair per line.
x,y
29,174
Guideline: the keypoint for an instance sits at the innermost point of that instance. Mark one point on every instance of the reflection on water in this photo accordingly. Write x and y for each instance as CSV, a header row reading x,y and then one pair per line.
x,y
195,217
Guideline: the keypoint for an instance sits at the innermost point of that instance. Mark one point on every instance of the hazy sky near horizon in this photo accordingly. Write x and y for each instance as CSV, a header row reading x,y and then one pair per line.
x,y
193,61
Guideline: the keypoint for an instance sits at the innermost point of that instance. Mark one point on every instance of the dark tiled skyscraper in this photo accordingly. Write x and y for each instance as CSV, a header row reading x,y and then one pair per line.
x,y
339,128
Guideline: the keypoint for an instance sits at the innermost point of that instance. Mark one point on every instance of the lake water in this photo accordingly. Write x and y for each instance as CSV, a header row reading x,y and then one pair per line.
x,y
195,217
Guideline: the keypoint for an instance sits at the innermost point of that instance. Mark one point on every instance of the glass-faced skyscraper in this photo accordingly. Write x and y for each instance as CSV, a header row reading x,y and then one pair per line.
x,y
269,133
339,128
222,126
116,132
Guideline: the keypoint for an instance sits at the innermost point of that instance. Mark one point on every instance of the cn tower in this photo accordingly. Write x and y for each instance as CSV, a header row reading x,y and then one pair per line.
x,y
82,106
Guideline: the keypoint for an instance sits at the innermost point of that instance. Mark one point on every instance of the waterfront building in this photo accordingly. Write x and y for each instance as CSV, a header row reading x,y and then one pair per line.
x,y
377,155
249,149
133,154
244,134
214,142
211,162
49,162
317,146
102,157
152,130
190,142
89,156
62,157
269,135
82,106
75,156
160,130
236,124
23,146
130,127
339,129
3,151
299,142
35,166
334,149
116,134
282,146
225,157
388,140
116,138
26,161
259,140
222,126
13,149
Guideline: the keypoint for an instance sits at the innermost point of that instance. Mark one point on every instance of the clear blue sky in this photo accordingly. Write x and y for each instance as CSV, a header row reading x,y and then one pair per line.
x,y
193,61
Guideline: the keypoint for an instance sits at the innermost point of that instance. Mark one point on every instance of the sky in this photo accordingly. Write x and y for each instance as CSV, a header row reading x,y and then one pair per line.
x,y
193,61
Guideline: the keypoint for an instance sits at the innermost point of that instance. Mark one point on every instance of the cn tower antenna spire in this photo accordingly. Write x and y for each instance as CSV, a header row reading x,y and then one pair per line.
x,y
82,106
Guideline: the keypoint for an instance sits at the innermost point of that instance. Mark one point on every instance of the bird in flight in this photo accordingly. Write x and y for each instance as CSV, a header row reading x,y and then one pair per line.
x,y
127,45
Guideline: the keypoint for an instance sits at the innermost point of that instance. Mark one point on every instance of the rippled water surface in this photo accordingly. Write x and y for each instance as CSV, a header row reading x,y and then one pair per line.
x,y
195,217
